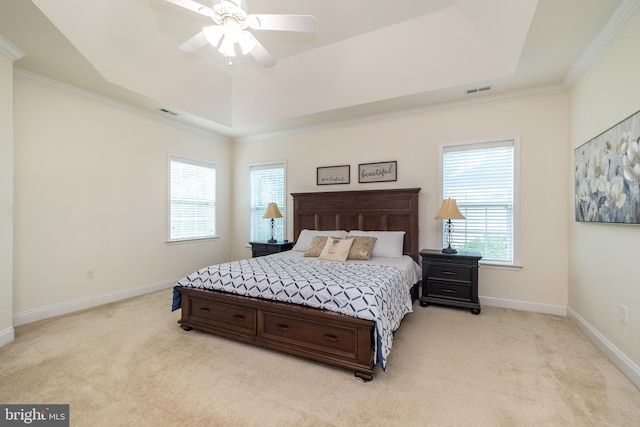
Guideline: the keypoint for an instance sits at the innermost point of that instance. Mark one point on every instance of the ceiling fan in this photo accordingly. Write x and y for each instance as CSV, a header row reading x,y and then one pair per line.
x,y
229,32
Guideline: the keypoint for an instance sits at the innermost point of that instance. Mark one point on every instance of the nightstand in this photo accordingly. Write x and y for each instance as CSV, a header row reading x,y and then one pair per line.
x,y
450,279
264,248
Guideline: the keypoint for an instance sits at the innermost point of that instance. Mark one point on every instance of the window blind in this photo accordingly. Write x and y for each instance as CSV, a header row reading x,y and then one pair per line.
x,y
192,199
267,185
480,177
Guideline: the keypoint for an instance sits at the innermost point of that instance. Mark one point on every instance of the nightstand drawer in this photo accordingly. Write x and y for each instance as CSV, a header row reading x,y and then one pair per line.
x,y
450,272
449,290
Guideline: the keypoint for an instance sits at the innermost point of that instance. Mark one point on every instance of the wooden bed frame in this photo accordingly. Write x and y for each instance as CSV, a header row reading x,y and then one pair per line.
x,y
315,334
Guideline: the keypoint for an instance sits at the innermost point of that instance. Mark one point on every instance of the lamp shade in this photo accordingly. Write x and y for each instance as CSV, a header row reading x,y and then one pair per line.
x,y
449,210
272,211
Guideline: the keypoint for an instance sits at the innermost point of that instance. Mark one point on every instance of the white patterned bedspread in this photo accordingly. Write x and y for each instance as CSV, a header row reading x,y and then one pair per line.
x,y
368,291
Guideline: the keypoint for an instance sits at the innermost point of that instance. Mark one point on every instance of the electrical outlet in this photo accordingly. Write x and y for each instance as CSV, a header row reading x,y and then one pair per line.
x,y
91,273
623,314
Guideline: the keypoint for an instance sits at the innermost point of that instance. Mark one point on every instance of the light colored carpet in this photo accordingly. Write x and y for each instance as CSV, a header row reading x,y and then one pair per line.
x,y
130,364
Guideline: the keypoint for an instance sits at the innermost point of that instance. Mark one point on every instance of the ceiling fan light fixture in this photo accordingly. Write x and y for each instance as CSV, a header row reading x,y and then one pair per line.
x,y
226,10
231,22
227,48
232,30
213,34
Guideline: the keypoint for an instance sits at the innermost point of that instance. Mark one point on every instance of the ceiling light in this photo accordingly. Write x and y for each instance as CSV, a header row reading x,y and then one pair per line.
x,y
231,21
232,30
227,47
213,34
225,37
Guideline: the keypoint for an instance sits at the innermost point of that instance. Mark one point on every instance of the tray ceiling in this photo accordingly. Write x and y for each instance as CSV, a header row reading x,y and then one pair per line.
x,y
366,57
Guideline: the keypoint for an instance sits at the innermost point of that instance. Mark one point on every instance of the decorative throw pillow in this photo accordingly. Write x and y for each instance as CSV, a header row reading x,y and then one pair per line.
x,y
317,244
362,247
389,244
336,249
305,237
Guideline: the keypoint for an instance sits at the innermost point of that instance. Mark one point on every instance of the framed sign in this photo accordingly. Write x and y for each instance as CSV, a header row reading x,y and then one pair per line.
x,y
328,175
378,172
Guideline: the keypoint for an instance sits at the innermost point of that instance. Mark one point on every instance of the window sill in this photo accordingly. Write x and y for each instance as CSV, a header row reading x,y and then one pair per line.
x,y
191,240
498,266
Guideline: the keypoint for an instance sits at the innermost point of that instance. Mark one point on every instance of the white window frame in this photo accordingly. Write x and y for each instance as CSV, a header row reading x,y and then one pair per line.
x,y
186,160
282,205
478,144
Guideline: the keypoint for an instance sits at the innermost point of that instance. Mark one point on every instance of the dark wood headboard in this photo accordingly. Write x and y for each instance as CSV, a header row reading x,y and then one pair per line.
x,y
371,210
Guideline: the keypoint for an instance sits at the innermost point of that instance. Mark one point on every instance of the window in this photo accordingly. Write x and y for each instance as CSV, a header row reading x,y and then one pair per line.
x,y
266,185
192,189
481,178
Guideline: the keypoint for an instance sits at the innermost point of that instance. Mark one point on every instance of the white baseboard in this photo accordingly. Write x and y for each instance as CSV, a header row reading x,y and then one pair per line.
x,y
622,362
559,310
73,306
7,336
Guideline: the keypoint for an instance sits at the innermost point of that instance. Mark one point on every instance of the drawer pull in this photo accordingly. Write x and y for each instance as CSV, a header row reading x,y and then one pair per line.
x,y
238,317
283,327
331,338
449,291
205,309
449,273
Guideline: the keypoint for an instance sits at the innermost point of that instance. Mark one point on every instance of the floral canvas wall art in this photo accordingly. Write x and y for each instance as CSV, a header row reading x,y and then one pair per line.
x,y
607,175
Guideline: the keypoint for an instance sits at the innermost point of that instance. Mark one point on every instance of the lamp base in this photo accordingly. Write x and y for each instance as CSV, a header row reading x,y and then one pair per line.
x,y
449,250
272,241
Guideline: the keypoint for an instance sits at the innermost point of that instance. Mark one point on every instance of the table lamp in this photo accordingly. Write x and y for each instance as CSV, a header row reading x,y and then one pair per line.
x,y
271,213
449,210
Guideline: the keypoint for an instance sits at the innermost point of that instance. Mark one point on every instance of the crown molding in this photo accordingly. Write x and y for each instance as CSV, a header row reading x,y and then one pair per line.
x,y
443,107
49,83
597,45
10,49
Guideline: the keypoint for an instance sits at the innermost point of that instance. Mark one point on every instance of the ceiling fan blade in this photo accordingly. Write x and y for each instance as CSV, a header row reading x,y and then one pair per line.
x,y
262,56
304,23
194,43
193,6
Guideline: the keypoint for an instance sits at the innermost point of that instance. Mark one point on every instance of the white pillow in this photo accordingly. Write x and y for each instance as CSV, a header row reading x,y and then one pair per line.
x,y
390,244
336,249
306,236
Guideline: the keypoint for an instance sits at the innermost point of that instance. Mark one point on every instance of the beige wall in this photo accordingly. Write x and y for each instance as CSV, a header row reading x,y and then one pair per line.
x,y
415,141
6,199
91,193
603,258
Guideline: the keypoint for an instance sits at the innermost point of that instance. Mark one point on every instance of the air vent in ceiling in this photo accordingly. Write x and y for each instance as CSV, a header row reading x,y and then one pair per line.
x,y
478,89
164,110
